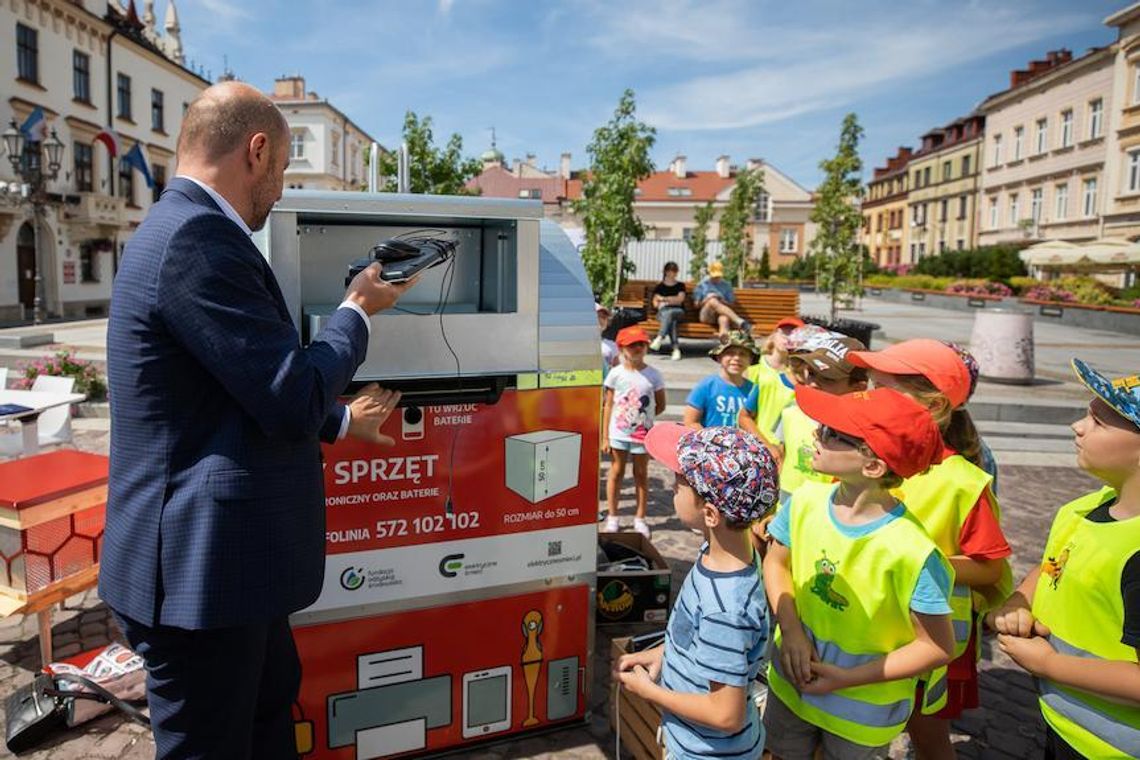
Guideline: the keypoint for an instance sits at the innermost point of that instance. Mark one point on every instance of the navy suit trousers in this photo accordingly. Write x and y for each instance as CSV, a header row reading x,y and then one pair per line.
x,y
219,693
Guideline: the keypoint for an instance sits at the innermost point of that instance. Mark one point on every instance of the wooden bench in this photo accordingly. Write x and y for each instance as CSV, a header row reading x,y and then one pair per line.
x,y
763,308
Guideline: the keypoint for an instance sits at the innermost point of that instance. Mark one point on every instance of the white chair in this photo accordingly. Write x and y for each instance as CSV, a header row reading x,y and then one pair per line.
x,y
3,378
54,425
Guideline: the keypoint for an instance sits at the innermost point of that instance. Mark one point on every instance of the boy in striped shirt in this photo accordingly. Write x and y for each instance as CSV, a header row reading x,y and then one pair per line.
x,y
718,630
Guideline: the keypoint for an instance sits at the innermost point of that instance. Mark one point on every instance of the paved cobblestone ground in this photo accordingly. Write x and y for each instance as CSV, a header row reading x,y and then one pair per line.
x,y
1007,726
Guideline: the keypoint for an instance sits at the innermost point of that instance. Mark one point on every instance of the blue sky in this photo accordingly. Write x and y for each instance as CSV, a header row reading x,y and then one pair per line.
x,y
738,77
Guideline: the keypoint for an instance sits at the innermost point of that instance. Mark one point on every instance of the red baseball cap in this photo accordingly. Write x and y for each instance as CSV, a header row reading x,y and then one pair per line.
x,y
897,428
627,336
792,322
934,360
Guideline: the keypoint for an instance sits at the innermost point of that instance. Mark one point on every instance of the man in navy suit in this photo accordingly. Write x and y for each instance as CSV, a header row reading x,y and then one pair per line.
x,y
215,524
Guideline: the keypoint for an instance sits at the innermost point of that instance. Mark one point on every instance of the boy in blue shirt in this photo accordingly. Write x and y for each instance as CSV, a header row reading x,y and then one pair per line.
x,y
718,629
717,400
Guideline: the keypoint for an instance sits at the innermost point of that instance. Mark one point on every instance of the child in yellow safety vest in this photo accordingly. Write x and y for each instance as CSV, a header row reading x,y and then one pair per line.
x,y
861,593
955,503
817,359
771,386
1074,622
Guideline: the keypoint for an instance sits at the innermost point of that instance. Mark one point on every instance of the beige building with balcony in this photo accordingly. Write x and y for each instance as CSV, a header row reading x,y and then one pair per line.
x,y
1044,160
885,224
944,176
326,149
65,54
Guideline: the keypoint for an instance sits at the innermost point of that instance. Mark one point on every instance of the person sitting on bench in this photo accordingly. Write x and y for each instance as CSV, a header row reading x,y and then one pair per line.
x,y
713,296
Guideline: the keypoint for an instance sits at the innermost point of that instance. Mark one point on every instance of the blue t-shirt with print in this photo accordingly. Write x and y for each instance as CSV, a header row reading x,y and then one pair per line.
x,y
932,590
718,400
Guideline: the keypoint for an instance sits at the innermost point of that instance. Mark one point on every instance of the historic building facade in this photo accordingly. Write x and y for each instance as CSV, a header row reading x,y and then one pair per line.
x,y
88,67
944,177
326,149
1047,136
885,224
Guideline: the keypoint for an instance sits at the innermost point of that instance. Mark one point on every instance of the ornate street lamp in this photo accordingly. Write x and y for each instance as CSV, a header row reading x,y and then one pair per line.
x,y
14,145
32,173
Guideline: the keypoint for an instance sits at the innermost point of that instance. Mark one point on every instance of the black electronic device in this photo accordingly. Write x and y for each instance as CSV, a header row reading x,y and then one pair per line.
x,y
404,259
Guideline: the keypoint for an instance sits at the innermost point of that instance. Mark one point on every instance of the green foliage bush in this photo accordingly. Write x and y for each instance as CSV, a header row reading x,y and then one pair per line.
x,y
999,262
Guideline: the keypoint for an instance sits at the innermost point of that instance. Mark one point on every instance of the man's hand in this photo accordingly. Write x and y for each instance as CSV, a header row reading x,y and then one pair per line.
x,y
374,295
1032,653
369,410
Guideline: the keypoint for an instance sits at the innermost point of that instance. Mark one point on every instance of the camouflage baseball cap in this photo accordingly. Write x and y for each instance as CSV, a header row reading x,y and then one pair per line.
x,y
735,339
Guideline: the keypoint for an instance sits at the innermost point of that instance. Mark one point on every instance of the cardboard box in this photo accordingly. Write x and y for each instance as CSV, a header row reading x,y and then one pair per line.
x,y
633,719
543,463
51,520
640,596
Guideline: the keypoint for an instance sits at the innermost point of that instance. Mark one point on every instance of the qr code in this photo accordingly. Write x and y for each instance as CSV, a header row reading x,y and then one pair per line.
x,y
553,548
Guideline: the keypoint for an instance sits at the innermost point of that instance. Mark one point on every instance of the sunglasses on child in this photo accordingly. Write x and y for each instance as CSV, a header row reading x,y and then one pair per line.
x,y
828,434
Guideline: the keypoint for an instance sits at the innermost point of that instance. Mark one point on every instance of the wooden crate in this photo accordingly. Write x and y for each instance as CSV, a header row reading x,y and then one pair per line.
x,y
639,720
51,526
762,307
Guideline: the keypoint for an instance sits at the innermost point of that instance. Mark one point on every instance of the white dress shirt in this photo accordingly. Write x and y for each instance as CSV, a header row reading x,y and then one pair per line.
x,y
228,210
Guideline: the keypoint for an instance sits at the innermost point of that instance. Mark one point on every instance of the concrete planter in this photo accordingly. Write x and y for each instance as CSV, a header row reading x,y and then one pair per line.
x,y
1002,342
1111,318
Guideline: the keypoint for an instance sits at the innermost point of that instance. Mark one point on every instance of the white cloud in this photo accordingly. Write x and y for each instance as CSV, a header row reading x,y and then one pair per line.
x,y
226,10
847,62
445,6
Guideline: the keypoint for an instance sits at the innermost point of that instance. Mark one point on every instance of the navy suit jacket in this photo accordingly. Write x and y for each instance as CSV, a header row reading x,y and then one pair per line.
x,y
215,513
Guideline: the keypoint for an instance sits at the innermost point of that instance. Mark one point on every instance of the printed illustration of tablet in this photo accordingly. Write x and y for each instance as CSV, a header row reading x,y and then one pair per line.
x,y
486,701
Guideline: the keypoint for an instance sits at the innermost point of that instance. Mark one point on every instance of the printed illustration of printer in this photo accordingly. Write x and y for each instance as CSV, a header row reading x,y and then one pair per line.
x,y
395,704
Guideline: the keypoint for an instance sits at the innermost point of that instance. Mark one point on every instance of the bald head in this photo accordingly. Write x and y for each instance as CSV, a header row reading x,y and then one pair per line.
x,y
224,117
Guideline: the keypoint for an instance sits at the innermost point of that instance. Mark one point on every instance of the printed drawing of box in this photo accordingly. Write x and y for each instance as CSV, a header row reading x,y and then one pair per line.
x,y
51,523
628,594
543,463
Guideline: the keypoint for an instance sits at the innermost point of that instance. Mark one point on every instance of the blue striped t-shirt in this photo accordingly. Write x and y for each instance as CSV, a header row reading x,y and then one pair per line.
x,y
718,632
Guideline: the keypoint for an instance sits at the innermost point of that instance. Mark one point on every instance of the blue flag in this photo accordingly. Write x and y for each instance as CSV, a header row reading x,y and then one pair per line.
x,y
35,126
136,159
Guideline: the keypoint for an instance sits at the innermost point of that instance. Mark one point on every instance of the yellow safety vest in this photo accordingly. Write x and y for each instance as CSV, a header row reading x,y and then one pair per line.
x,y
1078,598
941,499
799,444
853,597
773,394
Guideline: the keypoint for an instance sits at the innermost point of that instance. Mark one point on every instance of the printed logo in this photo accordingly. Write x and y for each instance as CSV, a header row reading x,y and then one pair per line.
x,y
450,565
352,578
826,572
1054,567
615,600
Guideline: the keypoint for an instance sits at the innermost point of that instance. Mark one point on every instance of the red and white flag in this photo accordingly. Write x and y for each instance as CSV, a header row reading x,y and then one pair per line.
x,y
111,140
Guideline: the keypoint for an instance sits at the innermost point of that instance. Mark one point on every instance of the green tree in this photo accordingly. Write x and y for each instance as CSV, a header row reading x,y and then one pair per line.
x,y
430,169
765,264
839,257
699,242
735,220
619,158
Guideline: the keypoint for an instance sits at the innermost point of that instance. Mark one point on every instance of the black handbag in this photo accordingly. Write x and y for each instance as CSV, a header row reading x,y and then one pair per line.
x,y
621,317
36,711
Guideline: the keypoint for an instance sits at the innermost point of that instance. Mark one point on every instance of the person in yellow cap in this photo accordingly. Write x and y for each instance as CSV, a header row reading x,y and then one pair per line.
x,y
713,296
1074,622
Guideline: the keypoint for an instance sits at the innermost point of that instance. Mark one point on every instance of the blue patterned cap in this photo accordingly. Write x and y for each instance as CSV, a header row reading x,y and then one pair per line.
x,y
731,470
1122,394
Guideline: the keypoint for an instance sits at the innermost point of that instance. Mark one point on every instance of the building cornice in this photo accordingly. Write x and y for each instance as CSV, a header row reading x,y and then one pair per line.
x,y
1074,67
941,152
1123,16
